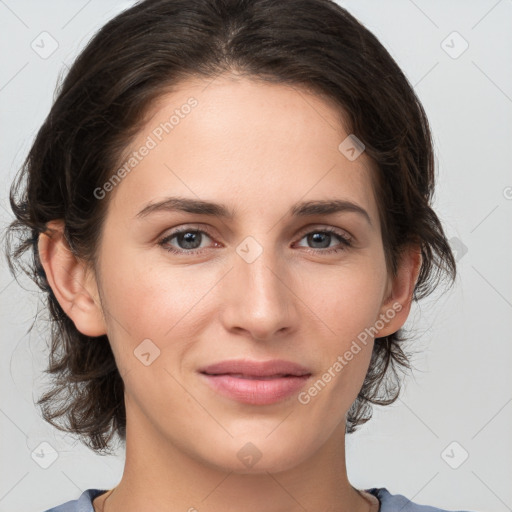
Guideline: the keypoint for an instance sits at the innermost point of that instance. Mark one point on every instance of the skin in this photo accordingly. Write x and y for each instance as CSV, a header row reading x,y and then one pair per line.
x,y
259,149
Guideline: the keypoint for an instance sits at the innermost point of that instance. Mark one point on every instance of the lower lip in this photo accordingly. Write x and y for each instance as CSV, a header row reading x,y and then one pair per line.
x,y
254,391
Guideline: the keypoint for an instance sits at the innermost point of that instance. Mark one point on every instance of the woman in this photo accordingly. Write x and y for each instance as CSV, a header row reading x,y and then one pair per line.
x,y
228,208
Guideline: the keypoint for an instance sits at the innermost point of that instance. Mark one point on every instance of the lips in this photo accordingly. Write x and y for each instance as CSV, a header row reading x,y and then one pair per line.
x,y
247,369
256,382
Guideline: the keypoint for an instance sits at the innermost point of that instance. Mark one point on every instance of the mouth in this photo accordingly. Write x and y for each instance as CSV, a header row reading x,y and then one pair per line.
x,y
254,377
256,382
245,368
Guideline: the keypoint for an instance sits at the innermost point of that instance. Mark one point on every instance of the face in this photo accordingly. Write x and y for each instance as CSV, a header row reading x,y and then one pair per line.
x,y
261,283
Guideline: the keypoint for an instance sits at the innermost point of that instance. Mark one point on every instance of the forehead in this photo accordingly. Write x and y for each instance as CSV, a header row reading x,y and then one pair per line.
x,y
245,143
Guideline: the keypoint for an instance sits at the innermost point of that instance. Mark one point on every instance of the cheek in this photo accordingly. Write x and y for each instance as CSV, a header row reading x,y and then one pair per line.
x,y
156,302
151,333
346,303
347,298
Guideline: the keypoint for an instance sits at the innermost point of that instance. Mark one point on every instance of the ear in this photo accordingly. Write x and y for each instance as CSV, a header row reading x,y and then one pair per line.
x,y
71,281
399,293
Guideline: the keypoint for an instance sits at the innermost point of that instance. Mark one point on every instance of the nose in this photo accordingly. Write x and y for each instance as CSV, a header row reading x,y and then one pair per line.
x,y
259,298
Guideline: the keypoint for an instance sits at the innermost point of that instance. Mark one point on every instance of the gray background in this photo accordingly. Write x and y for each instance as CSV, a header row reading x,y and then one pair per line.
x,y
458,401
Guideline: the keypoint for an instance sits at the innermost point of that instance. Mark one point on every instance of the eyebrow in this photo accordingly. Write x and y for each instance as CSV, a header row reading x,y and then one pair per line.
x,y
201,207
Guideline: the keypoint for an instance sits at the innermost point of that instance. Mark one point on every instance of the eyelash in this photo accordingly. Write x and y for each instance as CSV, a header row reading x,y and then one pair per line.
x,y
345,241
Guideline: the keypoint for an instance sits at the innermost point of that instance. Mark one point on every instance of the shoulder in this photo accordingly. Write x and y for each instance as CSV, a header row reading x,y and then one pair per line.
x,y
81,504
396,502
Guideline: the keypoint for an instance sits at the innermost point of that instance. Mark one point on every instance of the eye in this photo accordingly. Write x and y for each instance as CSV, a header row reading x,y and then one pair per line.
x,y
324,237
190,241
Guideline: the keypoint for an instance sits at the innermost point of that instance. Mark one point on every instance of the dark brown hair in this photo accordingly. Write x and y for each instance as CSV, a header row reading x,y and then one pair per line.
x,y
101,105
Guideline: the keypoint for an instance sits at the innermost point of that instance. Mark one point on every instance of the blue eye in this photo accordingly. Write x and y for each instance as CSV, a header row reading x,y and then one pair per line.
x,y
327,235
191,239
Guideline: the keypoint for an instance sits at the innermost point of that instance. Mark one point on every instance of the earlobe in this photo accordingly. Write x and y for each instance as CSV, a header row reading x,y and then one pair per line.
x,y
397,305
71,283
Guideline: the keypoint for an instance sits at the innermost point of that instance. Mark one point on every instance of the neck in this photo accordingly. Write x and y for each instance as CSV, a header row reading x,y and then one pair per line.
x,y
160,476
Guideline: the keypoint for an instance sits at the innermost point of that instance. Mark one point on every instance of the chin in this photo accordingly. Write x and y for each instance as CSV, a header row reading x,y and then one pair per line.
x,y
259,455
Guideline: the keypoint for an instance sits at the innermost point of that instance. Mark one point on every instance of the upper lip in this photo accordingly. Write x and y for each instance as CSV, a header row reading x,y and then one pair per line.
x,y
273,367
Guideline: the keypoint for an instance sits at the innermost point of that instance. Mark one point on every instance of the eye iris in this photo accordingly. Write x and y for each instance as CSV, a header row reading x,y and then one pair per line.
x,y
188,237
317,238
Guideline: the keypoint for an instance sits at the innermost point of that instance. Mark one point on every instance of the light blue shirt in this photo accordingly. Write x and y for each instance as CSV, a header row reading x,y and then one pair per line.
x,y
388,502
